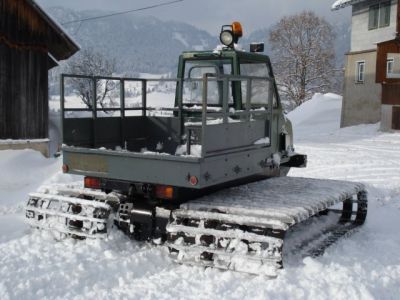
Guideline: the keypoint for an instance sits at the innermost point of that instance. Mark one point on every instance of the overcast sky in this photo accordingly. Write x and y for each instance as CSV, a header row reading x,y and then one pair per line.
x,y
211,14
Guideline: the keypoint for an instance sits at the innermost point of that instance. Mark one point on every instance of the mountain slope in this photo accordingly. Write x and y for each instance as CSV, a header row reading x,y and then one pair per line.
x,y
144,44
138,43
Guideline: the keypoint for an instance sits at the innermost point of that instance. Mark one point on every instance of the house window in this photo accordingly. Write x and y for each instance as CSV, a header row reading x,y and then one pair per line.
x,y
373,17
384,14
389,66
379,15
360,71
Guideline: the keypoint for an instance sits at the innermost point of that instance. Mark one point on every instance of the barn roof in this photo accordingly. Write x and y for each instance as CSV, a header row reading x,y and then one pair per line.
x,y
64,45
344,3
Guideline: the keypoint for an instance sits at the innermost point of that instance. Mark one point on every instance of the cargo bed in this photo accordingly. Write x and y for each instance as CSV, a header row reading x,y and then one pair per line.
x,y
214,144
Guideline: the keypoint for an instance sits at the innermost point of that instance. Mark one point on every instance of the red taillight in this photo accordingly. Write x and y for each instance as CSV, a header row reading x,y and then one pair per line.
x,y
92,183
65,168
193,180
164,192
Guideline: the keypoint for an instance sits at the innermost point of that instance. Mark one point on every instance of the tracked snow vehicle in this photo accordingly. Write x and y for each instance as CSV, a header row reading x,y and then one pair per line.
x,y
192,175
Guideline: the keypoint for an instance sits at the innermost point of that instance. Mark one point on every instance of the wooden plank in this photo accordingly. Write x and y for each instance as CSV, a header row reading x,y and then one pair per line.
x,y
3,78
24,96
398,19
391,93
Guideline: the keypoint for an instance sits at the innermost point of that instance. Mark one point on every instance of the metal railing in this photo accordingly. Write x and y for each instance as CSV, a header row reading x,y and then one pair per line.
x,y
225,113
247,113
122,80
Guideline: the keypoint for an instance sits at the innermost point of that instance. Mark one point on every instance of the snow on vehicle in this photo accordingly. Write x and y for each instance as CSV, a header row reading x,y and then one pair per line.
x,y
192,175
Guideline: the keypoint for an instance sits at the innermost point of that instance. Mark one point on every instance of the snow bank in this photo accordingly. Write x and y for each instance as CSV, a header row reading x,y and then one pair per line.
x,y
317,109
320,115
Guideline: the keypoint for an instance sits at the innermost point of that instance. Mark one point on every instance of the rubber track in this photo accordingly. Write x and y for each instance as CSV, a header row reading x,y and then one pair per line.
x,y
194,236
79,213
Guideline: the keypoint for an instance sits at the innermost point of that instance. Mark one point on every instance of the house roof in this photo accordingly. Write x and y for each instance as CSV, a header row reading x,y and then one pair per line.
x,y
344,3
64,46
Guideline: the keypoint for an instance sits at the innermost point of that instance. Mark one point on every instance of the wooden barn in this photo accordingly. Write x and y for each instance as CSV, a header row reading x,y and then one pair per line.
x,y
31,43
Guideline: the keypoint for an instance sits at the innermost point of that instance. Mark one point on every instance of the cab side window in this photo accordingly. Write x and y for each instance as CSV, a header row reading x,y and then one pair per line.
x,y
259,87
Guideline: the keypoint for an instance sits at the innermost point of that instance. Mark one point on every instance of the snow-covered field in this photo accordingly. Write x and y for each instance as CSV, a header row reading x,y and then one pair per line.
x,y
364,266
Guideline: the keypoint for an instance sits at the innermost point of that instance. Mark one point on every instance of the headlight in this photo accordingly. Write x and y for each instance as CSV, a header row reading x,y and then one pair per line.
x,y
230,34
226,37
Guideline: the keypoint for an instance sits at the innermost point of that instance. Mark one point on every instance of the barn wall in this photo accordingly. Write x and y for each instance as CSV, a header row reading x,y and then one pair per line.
x,y
23,74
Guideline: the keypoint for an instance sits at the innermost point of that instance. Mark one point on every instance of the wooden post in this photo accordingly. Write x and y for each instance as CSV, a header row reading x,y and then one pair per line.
x,y
398,21
122,110
94,111
144,97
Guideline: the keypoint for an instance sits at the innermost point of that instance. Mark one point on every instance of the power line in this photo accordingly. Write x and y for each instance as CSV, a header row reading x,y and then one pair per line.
x,y
122,12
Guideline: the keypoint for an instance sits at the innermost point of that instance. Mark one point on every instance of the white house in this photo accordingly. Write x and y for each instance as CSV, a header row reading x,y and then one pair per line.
x,y
372,71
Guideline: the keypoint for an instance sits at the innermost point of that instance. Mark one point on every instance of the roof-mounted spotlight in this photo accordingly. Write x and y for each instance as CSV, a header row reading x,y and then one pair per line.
x,y
230,34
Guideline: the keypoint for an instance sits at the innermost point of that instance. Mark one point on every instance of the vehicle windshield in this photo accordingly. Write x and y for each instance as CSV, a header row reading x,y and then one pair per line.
x,y
193,86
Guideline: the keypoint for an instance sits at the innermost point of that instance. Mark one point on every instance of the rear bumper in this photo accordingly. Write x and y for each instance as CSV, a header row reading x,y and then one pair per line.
x,y
168,169
131,167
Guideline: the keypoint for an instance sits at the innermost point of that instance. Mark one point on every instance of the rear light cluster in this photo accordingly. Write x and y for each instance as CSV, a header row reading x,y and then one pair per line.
x,y
92,183
193,180
65,168
164,192
158,191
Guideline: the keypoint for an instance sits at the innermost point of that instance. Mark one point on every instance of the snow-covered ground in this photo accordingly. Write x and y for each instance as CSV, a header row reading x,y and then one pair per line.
x,y
364,266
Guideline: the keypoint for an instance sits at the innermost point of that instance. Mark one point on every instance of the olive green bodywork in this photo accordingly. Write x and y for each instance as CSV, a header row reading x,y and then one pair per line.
x,y
238,139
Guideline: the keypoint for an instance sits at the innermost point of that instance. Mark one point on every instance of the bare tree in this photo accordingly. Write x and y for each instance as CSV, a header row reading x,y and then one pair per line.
x,y
92,63
303,55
